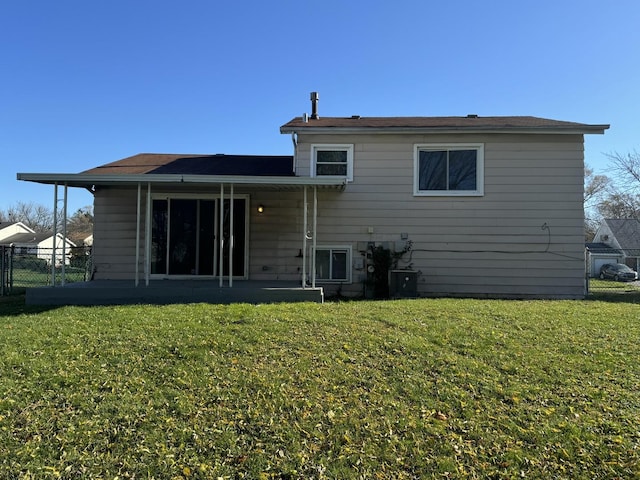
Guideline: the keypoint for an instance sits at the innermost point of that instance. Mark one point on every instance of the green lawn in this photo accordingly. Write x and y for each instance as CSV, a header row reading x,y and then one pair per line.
x,y
597,285
24,277
399,389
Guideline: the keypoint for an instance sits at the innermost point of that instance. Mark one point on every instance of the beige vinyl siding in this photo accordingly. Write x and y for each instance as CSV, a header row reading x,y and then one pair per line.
x,y
492,245
275,237
114,233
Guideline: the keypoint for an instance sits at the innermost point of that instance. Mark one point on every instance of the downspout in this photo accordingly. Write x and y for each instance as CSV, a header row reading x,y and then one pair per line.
x,y
294,140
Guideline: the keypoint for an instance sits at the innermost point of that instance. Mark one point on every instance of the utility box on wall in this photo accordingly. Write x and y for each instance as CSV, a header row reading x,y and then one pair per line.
x,y
403,284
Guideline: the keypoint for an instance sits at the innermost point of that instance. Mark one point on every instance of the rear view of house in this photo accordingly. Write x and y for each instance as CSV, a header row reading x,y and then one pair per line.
x,y
459,206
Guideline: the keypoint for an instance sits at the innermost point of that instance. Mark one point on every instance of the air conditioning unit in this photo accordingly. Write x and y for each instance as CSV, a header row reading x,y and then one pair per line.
x,y
403,284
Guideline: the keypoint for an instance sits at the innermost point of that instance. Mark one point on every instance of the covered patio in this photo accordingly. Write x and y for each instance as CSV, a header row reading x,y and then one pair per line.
x,y
222,282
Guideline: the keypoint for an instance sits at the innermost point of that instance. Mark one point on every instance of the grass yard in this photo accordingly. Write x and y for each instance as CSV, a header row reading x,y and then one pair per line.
x,y
24,277
399,389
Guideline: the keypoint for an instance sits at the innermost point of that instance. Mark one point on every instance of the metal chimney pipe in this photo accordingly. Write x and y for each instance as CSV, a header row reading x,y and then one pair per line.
x,y
314,105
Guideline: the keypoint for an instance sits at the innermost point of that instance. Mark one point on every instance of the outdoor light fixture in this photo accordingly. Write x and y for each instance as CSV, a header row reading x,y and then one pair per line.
x,y
260,208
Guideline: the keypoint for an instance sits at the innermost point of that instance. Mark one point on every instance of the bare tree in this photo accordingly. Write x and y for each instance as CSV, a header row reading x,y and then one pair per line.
x,y
80,224
34,215
627,170
620,205
595,188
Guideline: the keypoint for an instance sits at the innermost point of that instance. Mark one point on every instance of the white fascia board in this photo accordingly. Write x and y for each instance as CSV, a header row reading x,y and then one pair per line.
x,y
588,129
83,180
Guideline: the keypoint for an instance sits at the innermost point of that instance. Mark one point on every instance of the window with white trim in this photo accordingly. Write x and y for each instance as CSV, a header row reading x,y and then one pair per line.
x,y
333,264
332,161
450,169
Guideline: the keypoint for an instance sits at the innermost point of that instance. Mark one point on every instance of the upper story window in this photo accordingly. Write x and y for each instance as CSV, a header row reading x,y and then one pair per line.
x,y
332,161
452,169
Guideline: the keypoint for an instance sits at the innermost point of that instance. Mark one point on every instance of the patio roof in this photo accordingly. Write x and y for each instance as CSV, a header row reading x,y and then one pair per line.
x,y
263,171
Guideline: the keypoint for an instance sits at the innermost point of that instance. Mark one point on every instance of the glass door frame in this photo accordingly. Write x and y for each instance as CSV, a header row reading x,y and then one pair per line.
x,y
218,211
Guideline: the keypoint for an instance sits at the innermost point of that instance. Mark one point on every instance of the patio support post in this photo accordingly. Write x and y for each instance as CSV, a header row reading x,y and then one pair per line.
x,y
231,239
137,274
147,236
315,236
221,234
55,233
304,239
64,236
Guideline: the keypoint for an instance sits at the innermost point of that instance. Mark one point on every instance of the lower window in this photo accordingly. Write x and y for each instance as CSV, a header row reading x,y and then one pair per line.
x,y
332,264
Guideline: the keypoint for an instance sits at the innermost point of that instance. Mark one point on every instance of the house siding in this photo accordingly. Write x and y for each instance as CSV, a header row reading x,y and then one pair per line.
x,y
522,239
493,245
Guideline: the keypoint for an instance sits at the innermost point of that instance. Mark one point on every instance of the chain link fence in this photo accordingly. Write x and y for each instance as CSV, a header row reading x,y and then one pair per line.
x,y
21,268
597,285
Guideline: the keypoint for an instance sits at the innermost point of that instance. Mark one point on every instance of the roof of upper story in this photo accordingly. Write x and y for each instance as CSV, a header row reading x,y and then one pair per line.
x,y
470,123
190,164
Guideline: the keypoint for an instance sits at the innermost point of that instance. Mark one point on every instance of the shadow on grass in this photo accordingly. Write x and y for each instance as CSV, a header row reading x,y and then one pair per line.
x,y
15,305
614,296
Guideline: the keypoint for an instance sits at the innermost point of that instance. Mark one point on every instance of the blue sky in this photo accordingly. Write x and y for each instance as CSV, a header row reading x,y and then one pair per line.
x,y
85,83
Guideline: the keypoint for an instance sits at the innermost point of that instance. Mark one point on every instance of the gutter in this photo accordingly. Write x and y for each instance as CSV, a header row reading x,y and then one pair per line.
x,y
587,129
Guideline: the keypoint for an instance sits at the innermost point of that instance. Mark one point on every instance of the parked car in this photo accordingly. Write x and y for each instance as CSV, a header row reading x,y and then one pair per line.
x,y
618,271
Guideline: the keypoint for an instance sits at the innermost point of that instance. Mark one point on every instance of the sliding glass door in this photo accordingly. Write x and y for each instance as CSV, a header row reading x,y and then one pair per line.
x,y
185,236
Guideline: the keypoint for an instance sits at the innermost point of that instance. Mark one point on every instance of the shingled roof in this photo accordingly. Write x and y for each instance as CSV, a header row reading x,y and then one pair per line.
x,y
627,233
472,123
190,164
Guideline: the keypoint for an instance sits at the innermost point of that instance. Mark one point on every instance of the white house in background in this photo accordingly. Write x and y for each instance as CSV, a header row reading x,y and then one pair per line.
x,y
8,229
40,245
617,240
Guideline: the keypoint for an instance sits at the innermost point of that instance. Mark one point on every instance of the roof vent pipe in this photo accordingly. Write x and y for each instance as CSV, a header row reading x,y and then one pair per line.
x,y
314,105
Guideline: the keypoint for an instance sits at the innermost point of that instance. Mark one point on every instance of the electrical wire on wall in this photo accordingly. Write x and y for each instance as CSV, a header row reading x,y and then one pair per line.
x,y
547,249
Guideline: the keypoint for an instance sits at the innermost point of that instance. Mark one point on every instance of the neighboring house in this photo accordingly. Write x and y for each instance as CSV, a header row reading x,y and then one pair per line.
x,y
40,245
486,206
8,229
622,237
